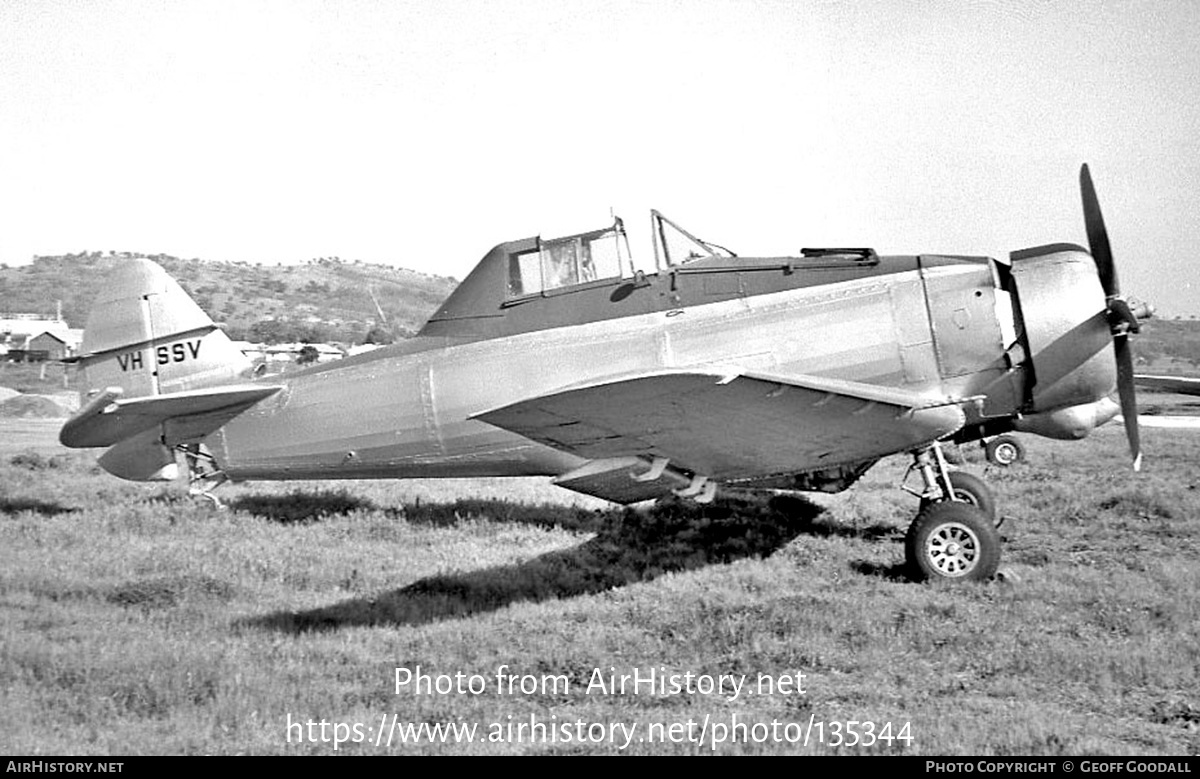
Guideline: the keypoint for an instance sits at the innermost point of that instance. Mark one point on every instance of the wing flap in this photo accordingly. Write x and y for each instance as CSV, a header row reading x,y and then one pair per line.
x,y
108,419
732,426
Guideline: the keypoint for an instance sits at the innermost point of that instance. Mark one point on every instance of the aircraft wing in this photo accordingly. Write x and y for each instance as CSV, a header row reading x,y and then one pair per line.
x,y
108,419
731,426
1183,386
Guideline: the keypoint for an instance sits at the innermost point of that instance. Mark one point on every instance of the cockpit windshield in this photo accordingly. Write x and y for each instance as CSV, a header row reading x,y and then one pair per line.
x,y
674,246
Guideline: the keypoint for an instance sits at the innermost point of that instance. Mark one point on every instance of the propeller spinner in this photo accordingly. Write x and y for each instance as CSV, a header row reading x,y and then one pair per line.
x,y
1121,317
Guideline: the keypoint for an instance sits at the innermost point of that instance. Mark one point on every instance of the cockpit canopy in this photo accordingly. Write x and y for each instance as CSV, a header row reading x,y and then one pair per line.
x,y
597,256
495,298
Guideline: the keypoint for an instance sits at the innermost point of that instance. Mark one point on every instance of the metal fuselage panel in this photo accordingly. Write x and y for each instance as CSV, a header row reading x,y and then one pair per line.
x,y
407,414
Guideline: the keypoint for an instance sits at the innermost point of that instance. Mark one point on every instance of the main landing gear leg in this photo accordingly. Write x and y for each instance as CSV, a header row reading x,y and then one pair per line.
x,y
953,536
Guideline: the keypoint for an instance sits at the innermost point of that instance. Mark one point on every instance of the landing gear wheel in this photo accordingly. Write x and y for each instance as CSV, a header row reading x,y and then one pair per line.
x,y
952,541
1005,451
971,490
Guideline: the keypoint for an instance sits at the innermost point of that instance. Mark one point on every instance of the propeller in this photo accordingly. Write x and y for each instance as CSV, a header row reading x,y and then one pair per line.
x,y
1121,317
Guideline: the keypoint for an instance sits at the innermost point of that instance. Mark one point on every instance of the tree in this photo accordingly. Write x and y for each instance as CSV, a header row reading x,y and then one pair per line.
x,y
273,331
308,354
378,335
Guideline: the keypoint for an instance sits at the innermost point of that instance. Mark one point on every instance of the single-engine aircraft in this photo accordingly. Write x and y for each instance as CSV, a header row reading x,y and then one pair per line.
x,y
553,358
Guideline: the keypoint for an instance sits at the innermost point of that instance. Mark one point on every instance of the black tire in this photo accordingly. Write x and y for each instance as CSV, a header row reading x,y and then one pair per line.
x,y
952,541
969,489
1005,451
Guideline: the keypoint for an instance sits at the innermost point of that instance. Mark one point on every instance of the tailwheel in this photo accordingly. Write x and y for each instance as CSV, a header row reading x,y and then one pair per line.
x,y
1004,450
952,541
204,472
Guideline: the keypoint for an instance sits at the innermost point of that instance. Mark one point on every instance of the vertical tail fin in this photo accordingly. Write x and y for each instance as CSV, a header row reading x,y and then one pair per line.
x,y
146,336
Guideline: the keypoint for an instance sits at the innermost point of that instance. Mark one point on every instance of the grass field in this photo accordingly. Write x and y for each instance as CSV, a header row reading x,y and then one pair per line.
x,y
134,619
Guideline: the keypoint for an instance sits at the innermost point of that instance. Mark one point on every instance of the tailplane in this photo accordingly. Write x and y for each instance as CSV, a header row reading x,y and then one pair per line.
x,y
157,373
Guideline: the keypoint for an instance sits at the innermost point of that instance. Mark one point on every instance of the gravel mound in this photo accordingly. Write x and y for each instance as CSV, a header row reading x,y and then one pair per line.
x,y
35,406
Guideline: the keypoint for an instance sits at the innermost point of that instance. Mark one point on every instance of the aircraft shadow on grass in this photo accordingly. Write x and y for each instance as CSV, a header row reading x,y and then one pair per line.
x,y
300,507
46,509
629,547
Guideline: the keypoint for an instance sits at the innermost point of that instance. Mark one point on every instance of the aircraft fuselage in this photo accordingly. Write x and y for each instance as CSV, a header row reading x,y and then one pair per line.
x,y
406,411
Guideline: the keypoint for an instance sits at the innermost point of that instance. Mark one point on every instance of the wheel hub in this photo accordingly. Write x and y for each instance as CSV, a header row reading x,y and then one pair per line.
x,y
953,549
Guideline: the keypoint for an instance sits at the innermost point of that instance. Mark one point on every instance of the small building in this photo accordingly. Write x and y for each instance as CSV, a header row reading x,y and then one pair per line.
x,y
30,337
45,346
57,344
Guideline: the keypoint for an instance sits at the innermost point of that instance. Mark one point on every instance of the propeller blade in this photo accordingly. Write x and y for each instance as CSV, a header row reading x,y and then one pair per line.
x,y
1128,398
1098,235
1121,317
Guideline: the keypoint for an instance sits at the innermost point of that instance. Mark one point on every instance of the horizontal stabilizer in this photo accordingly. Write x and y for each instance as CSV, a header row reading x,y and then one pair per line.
x,y
108,419
734,425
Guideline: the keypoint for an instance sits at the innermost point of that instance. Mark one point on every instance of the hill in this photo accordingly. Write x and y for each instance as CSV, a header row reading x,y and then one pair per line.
x,y
1168,345
326,299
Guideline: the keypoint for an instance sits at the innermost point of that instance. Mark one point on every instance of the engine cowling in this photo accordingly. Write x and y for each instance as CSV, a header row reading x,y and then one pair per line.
x,y
1068,339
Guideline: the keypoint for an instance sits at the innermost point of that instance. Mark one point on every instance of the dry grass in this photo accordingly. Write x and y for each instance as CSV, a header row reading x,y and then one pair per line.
x,y
136,620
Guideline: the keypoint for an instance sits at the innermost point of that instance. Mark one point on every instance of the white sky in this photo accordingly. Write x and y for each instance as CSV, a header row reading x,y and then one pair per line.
x,y
422,133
